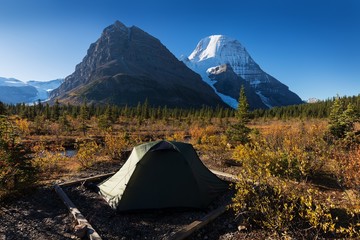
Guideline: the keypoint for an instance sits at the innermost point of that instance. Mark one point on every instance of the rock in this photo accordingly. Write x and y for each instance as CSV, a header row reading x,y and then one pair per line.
x,y
242,228
229,83
2,236
80,230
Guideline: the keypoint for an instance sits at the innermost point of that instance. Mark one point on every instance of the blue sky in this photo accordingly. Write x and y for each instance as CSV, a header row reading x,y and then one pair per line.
x,y
312,46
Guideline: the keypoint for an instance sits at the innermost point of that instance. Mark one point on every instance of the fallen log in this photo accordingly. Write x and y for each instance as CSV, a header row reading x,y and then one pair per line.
x,y
88,179
226,176
189,229
231,162
81,220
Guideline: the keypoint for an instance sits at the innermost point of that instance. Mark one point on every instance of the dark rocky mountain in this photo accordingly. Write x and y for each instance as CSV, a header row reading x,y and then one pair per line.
x,y
126,66
227,82
217,50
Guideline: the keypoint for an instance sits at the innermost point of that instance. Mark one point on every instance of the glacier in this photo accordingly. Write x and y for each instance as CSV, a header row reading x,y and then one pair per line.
x,y
13,91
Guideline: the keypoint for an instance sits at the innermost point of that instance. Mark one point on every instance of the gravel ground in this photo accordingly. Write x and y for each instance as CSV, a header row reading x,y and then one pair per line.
x,y
38,215
41,214
155,224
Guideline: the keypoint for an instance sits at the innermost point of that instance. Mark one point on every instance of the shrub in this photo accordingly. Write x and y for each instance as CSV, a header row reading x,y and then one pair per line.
x,y
266,197
86,154
48,161
177,136
116,145
295,152
267,206
214,147
23,125
197,132
348,166
288,210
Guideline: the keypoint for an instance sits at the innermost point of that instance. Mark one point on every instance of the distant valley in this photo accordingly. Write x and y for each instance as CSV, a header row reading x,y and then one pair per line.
x,y
14,91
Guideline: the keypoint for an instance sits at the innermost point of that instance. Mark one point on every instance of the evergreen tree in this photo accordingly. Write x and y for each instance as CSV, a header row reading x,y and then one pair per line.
x,y
39,107
105,120
342,121
114,113
242,113
84,115
39,124
108,114
145,110
16,172
2,108
47,112
64,122
125,111
55,111
164,113
239,132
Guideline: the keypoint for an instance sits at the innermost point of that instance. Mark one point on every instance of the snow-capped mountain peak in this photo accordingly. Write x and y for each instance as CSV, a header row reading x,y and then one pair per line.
x,y
217,50
216,46
207,48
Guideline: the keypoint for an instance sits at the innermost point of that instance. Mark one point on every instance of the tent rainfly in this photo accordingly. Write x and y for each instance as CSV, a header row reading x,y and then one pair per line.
x,y
162,174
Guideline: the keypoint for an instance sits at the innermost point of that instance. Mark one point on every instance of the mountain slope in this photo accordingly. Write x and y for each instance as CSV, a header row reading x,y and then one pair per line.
x,y
218,50
126,66
228,83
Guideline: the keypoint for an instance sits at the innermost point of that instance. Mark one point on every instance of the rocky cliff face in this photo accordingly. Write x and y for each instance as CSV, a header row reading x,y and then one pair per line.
x,y
227,82
127,66
217,50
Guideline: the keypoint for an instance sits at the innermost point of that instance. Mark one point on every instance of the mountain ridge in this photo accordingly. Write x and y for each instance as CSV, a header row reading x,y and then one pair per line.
x,y
134,66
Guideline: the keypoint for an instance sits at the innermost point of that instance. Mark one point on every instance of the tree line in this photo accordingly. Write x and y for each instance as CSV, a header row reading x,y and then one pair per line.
x,y
142,111
321,109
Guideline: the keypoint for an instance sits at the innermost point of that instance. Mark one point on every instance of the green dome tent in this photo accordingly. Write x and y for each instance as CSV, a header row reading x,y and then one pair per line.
x,y
162,174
